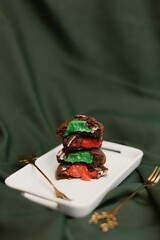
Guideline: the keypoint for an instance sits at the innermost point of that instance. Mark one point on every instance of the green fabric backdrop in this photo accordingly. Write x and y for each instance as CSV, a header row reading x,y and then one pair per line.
x,y
67,57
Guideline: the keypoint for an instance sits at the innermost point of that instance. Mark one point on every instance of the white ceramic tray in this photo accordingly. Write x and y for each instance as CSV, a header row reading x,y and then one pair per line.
x,y
86,195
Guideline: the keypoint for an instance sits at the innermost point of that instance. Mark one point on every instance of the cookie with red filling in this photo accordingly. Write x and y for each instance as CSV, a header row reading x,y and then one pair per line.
x,y
78,142
80,170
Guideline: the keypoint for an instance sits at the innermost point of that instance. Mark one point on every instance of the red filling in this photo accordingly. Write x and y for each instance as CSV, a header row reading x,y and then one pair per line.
x,y
87,143
80,171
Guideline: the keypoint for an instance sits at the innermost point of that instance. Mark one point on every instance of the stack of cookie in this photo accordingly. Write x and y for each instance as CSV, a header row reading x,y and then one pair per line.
x,y
81,156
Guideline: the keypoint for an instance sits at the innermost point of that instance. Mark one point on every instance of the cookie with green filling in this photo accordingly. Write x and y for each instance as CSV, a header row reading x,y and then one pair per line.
x,y
93,157
81,124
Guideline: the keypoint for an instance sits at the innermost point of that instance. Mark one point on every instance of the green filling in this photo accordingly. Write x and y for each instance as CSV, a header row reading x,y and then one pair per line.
x,y
83,156
77,126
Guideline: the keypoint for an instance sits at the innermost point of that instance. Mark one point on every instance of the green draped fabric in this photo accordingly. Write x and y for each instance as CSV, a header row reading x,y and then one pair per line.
x,y
59,58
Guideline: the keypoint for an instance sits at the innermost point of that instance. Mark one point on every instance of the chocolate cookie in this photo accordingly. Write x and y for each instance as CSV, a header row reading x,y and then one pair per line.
x,y
78,142
80,170
93,157
86,126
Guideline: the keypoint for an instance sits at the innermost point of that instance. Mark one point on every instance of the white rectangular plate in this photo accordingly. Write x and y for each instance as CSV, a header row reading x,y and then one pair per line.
x,y
85,195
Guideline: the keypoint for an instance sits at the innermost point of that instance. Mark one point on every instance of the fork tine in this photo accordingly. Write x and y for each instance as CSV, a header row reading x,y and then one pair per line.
x,y
157,179
153,173
156,176
24,161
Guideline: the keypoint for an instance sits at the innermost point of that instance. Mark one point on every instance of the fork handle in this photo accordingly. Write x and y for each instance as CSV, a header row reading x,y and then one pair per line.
x,y
121,204
44,175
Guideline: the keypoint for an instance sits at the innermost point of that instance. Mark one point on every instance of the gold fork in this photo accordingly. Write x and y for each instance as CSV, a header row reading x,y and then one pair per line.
x,y
110,216
58,193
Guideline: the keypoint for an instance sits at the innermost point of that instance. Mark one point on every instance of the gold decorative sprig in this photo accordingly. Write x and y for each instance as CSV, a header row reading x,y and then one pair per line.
x,y
110,221
110,216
